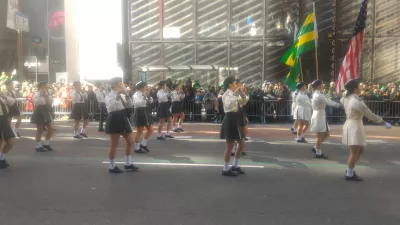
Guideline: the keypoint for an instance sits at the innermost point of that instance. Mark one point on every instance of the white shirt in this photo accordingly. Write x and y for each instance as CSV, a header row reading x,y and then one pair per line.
x,y
114,102
42,98
101,95
303,100
140,100
177,96
7,101
232,100
162,96
319,101
78,97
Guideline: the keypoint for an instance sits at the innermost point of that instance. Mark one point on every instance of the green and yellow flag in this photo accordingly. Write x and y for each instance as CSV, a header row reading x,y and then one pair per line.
x,y
305,41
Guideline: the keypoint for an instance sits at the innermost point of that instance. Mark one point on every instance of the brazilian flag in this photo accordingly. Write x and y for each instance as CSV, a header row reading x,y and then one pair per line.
x,y
305,41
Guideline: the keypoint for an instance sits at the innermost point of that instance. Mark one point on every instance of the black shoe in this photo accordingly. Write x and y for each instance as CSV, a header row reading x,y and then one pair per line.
x,y
145,148
176,130
237,170
229,173
40,149
169,136
48,148
100,130
17,135
313,150
180,129
115,170
140,151
84,136
246,139
322,156
302,140
244,153
4,164
353,178
161,138
232,154
131,168
77,137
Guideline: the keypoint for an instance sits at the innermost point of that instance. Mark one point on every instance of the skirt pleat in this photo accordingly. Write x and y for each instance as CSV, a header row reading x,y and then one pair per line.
x,y
118,123
42,115
142,117
231,128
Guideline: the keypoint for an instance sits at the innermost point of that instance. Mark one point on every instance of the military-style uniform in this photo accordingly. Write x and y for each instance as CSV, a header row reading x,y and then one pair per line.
x,y
233,120
318,118
117,120
141,115
353,129
303,107
177,104
163,110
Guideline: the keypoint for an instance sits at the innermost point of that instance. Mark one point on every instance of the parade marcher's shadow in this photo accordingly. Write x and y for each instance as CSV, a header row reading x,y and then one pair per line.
x,y
171,158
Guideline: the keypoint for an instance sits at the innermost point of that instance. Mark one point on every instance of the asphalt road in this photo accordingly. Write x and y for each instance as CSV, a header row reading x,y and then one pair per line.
x,y
180,181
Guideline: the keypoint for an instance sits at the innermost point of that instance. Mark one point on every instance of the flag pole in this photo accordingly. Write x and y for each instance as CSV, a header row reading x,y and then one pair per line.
x,y
316,43
301,68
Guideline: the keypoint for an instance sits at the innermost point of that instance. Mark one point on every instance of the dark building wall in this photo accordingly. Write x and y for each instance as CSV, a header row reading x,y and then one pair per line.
x,y
8,42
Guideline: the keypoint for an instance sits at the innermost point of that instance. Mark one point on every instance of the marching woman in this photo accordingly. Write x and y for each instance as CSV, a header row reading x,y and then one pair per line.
x,y
302,113
244,120
231,129
42,117
117,125
79,110
142,117
353,131
294,128
13,111
177,96
6,133
163,111
318,118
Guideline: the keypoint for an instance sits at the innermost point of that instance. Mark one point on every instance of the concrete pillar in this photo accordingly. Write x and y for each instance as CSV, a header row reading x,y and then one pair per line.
x,y
71,40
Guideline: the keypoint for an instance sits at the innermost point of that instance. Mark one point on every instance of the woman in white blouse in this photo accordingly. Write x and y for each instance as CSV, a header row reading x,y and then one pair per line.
x,y
118,125
302,113
163,111
353,129
142,117
79,110
177,96
318,119
231,129
42,117
6,133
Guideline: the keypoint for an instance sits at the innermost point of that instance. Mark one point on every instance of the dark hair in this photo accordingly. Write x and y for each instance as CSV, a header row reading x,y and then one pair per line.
x,y
140,85
316,83
114,81
351,86
300,86
229,80
161,84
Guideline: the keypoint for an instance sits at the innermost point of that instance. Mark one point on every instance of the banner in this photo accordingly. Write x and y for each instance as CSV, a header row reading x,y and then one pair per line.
x,y
12,10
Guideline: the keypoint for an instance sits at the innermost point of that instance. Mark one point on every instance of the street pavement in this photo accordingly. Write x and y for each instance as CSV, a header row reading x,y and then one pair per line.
x,y
180,181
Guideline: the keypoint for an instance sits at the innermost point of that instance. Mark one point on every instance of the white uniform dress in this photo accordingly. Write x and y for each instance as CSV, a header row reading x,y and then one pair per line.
x,y
318,118
294,94
303,107
353,129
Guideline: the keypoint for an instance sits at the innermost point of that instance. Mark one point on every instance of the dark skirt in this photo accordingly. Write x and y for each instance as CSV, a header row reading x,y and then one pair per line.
x,y
163,110
6,133
13,111
231,129
118,123
142,117
243,121
42,115
177,107
79,111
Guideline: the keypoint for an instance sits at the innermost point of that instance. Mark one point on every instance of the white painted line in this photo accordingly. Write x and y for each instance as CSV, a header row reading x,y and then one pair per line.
x,y
376,141
187,164
183,137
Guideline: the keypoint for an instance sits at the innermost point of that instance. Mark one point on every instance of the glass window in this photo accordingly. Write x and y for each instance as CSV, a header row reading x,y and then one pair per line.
x,y
213,53
386,60
179,54
348,11
247,18
178,19
274,69
387,14
212,18
246,62
281,17
147,54
324,13
145,19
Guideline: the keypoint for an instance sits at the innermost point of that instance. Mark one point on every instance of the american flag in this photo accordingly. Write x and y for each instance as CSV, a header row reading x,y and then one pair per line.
x,y
350,68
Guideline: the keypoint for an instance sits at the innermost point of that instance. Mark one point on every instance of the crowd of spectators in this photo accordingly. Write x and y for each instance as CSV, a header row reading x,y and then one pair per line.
x,y
268,99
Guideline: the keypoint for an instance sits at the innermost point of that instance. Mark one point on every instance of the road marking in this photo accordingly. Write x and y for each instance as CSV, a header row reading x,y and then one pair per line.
x,y
183,137
187,164
376,141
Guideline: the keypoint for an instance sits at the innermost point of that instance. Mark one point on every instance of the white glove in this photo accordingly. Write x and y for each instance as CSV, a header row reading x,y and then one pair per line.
x,y
388,125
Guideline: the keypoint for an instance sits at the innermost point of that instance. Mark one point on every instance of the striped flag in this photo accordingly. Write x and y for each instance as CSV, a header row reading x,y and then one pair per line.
x,y
350,68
